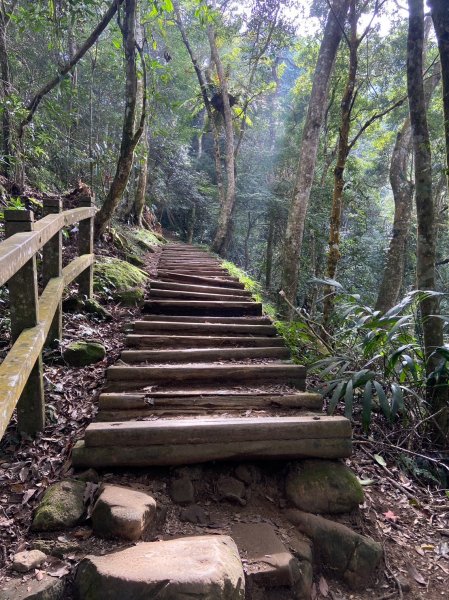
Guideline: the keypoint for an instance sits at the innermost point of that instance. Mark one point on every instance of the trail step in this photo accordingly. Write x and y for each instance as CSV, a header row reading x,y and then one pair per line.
x,y
183,295
185,287
199,280
202,307
236,329
203,354
198,341
235,320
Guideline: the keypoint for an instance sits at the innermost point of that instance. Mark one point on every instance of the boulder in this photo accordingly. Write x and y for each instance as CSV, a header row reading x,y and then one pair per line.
x,y
203,567
62,506
123,513
130,296
268,563
48,588
323,486
81,353
182,491
23,562
339,549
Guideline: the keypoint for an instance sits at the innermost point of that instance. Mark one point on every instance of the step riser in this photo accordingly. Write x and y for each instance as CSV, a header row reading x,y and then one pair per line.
x,y
202,328
190,454
222,320
202,289
252,310
209,355
196,280
182,295
189,341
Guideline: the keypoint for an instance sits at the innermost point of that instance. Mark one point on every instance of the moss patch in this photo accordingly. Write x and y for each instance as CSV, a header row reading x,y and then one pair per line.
x,y
113,274
62,506
251,285
81,354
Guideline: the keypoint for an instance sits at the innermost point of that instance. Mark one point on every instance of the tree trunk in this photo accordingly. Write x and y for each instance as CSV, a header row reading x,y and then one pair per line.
x,y
440,17
221,239
269,255
139,198
347,103
426,254
402,188
130,138
6,89
309,148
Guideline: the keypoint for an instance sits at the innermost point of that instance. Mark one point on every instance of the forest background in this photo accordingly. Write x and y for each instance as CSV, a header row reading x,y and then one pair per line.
x,y
201,117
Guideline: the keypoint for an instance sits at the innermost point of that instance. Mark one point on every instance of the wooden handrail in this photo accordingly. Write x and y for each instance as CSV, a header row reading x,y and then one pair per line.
x,y
16,250
20,360
36,322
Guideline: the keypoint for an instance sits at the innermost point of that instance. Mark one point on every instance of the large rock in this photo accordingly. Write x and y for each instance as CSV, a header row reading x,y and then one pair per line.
x,y
203,568
182,490
122,512
339,549
81,353
62,506
323,486
48,588
267,561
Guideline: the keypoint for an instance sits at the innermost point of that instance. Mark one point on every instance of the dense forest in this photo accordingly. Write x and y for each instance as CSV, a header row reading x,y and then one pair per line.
x,y
305,142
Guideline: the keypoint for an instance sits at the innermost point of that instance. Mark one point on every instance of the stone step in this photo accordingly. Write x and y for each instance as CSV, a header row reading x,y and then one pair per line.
x,y
183,295
203,354
200,279
121,378
235,329
199,341
155,284
203,308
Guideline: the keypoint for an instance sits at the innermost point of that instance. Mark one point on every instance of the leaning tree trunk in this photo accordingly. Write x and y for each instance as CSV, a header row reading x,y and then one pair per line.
x,y
402,188
426,253
221,239
440,17
309,148
130,138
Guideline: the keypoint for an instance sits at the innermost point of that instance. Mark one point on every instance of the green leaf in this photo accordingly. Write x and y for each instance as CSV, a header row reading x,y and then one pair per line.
x,y
349,400
380,460
382,399
366,405
336,397
397,402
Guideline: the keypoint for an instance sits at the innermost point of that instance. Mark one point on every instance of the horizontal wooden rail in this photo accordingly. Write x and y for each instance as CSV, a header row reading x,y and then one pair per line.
x,y
16,250
20,360
37,322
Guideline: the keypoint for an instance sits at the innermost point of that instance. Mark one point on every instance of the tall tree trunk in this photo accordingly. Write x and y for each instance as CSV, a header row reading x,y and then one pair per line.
x,y
6,89
426,254
440,17
130,137
269,254
402,188
139,198
347,103
309,148
222,235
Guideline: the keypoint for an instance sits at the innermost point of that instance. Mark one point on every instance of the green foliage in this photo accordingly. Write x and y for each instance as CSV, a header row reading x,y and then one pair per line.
x,y
251,285
112,274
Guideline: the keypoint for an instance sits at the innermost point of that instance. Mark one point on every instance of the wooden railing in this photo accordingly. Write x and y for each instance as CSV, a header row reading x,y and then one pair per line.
x,y
37,321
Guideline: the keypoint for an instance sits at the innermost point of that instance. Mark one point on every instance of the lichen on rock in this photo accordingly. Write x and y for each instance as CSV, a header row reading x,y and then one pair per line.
x,y
83,353
62,506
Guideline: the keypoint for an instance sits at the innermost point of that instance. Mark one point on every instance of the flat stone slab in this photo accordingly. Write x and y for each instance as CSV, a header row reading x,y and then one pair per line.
x,y
203,568
267,561
122,512
49,588
27,560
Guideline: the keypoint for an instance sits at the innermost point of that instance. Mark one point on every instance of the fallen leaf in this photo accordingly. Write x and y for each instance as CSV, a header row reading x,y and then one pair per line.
x,y
390,516
323,587
380,460
366,482
413,572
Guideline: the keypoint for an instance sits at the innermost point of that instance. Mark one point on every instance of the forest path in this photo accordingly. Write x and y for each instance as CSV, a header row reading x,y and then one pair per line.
x,y
206,377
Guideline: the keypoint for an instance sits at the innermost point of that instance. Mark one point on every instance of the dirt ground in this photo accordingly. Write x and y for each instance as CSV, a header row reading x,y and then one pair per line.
x,y
411,521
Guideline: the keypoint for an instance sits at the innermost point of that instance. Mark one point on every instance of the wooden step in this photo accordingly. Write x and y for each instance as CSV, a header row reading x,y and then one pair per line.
x,y
197,280
185,400
183,295
203,354
121,378
156,284
236,320
187,441
217,329
198,341
202,308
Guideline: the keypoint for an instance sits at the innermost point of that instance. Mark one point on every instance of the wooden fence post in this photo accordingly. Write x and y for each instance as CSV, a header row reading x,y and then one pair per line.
x,y
23,296
52,266
86,246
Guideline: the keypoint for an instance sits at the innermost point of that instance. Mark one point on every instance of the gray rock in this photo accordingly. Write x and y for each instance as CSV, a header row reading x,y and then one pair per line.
x,y
182,491
49,588
339,549
323,486
62,506
82,353
231,489
249,474
122,512
27,560
268,562
194,514
58,548
203,567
